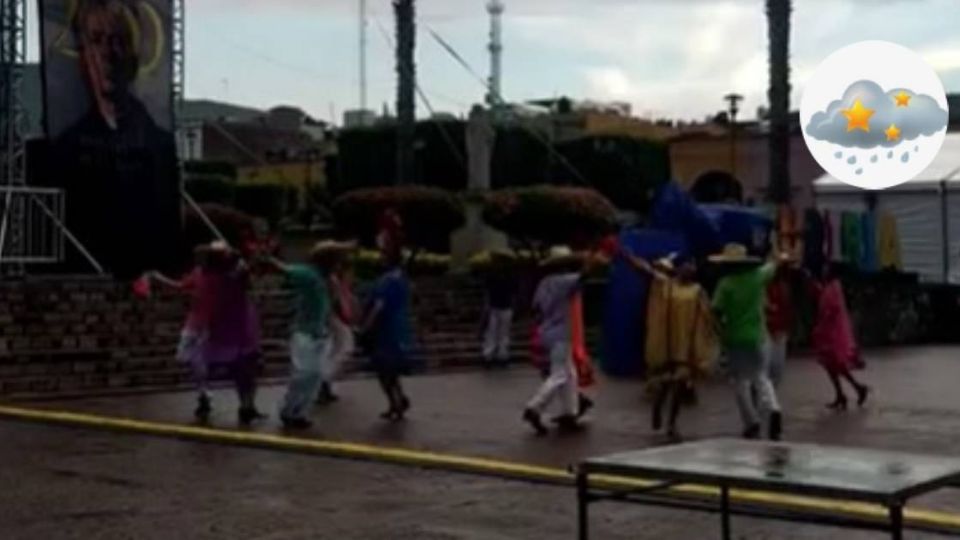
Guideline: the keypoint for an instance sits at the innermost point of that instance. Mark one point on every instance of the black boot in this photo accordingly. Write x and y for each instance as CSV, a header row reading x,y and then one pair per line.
x,y
202,412
532,417
776,426
247,415
584,406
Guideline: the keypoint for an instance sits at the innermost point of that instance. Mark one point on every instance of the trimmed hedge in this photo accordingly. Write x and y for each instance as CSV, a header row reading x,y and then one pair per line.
x,y
232,223
429,214
210,188
545,215
271,202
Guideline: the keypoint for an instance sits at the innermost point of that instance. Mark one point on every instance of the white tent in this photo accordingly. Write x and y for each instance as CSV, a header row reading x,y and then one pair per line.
x,y
927,209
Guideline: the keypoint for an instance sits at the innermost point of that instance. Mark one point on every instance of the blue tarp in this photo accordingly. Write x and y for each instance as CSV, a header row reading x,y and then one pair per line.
x,y
624,317
747,226
675,211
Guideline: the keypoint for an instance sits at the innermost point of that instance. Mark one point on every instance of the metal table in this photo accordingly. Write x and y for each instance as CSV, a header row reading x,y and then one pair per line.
x,y
888,479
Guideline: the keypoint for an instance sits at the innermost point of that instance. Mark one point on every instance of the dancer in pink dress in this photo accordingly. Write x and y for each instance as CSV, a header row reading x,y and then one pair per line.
x,y
833,338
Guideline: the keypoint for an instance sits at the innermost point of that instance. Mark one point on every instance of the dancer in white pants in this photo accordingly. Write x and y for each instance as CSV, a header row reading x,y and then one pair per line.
x,y
496,337
552,301
501,290
341,344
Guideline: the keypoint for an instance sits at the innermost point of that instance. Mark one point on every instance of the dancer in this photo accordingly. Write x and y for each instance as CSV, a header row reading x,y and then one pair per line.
x,y
222,328
779,317
833,338
389,320
501,290
739,304
193,336
311,332
342,320
681,341
552,300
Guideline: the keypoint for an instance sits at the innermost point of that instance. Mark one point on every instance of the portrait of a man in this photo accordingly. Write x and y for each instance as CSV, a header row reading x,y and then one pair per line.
x,y
116,164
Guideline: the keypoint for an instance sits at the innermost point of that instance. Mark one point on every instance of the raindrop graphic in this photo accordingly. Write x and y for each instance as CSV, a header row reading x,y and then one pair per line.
x,y
916,148
905,157
890,154
873,159
852,160
859,171
838,155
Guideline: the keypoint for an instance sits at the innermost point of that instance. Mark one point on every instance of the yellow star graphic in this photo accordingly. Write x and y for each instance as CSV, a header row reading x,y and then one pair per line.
x,y
903,99
893,132
858,117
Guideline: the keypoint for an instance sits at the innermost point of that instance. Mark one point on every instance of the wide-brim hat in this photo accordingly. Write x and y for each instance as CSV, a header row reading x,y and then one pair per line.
x,y
665,264
734,254
329,247
560,256
502,255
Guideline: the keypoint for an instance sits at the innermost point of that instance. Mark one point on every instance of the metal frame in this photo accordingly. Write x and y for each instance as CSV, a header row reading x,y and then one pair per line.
x,y
13,56
655,495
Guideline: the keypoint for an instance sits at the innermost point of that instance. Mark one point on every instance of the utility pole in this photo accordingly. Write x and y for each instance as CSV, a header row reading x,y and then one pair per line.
x,y
363,55
495,8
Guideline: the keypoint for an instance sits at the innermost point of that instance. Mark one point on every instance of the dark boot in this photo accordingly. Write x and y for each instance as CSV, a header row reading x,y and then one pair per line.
x,y
532,417
584,405
776,426
202,412
568,424
247,415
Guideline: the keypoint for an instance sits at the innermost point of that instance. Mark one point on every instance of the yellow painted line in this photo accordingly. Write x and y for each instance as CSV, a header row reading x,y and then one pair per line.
x,y
420,458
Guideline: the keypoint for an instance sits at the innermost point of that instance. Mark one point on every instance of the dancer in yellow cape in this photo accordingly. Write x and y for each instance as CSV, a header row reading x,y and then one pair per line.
x,y
681,339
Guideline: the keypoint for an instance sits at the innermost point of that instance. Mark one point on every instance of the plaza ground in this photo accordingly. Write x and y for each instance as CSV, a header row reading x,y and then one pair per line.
x,y
77,483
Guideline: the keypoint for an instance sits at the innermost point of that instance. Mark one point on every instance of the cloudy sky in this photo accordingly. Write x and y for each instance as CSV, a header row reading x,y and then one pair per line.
x,y
669,58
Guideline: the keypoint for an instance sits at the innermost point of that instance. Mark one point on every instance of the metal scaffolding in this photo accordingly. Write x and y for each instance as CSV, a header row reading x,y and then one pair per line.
x,y
179,58
13,51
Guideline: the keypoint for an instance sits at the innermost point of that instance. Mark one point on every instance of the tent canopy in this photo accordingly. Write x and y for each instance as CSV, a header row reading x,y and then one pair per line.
x,y
946,166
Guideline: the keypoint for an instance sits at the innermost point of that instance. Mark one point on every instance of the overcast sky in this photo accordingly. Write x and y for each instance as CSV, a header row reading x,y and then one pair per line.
x,y
669,58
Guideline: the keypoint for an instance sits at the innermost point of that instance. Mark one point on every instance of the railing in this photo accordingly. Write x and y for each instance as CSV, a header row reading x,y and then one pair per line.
x,y
31,225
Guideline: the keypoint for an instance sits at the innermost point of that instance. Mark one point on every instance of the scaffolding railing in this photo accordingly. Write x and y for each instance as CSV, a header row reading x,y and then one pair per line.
x,y
37,214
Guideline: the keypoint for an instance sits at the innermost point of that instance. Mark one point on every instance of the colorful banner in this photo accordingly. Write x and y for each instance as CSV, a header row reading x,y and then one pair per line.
x,y
109,117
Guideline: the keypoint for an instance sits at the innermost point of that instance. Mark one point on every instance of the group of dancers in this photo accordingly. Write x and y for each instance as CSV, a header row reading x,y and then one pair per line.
x,y
747,321
222,330
748,318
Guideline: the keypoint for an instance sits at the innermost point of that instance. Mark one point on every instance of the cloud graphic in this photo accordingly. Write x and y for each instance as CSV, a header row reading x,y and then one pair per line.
x,y
922,116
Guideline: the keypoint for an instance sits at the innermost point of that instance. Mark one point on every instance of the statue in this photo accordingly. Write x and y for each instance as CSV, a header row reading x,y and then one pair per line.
x,y
481,136
475,235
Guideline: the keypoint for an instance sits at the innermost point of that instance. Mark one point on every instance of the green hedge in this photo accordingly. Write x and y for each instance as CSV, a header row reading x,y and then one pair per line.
x,y
210,188
544,215
271,202
429,214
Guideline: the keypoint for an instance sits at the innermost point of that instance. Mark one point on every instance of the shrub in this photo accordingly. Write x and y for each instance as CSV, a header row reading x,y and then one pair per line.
x,y
367,264
207,188
429,214
267,201
233,224
544,215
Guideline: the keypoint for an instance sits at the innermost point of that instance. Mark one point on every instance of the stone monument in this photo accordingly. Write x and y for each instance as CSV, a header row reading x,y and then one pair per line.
x,y
475,235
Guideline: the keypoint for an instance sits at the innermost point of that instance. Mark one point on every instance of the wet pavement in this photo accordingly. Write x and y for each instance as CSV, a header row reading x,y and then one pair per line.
x,y
67,483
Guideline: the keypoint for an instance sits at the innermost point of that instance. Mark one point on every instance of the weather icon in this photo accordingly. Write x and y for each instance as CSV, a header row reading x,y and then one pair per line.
x,y
874,115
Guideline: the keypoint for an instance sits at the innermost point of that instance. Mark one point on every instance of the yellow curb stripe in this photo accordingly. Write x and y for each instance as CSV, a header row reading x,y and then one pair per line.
x,y
422,458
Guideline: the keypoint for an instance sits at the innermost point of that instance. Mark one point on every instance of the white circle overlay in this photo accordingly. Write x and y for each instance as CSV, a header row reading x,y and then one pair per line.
x,y
891,66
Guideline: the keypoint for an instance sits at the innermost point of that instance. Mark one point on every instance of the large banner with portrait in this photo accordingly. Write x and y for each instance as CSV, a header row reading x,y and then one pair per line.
x,y
109,118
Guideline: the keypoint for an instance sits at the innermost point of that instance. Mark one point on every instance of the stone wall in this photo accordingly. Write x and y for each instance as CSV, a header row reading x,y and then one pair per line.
x,y
89,336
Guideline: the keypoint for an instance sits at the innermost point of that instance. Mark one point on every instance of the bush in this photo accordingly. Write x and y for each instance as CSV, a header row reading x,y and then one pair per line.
x,y
233,224
544,215
429,214
267,201
210,188
367,264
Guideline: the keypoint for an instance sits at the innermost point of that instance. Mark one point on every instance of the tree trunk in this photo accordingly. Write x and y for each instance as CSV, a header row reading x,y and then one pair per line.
x,y
406,89
778,27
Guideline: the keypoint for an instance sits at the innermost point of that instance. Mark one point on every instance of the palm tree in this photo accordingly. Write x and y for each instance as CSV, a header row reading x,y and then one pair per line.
x,y
406,87
778,30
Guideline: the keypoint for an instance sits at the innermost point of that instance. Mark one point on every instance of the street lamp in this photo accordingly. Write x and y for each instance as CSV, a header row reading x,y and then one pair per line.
x,y
733,107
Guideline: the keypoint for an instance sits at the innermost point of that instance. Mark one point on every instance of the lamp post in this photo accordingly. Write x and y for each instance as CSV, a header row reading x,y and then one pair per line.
x,y
733,107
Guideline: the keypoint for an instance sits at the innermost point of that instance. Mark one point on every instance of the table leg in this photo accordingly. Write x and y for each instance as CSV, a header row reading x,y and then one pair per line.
x,y
583,519
896,521
725,513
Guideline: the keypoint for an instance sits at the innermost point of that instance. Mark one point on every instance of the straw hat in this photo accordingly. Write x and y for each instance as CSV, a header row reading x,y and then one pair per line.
x,y
325,247
665,264
734,254
560,256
